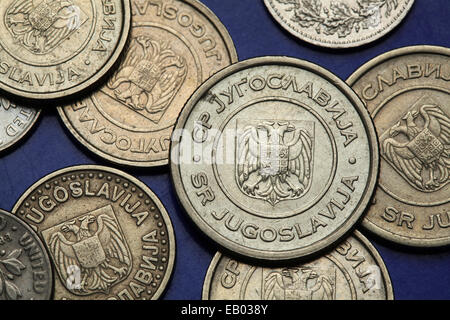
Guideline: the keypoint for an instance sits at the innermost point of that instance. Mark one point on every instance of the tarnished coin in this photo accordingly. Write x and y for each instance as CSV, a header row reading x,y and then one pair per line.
x,y
25,268
15,122
352,271
274,158
341,23
108,235
54,48
175,45
407,92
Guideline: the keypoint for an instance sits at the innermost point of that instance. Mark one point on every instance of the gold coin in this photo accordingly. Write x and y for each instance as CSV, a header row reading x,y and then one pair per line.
x,y
174,46
407,93
54,48
354,270
108,235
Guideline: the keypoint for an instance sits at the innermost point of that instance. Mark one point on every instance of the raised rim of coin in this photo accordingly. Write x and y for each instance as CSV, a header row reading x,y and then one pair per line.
x,y
140,184
209,14
370,226
373,148
358,235
336,45
94,78
40,243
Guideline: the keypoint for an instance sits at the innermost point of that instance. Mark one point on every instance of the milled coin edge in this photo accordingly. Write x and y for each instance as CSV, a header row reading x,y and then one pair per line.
x,y
356,76
140,184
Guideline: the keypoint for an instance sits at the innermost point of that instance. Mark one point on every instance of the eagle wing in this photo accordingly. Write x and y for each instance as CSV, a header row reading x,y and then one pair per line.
x,y
21,6
273,283
300,157
63,254
112,239
248,154
439,123
405,161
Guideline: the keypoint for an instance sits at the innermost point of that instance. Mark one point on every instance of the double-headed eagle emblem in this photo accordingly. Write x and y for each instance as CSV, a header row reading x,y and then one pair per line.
x,y
418,147
41,25
93,247
272,167
149,78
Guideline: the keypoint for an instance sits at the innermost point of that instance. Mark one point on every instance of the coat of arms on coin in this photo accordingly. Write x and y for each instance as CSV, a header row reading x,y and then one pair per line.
x,y
108,235
339,24
274,158
353,270
407,93
56,48
174,46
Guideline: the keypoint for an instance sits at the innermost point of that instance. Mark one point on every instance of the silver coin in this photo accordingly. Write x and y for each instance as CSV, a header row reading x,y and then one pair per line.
x,y
15,122
25,268
274,158
339,23
354,270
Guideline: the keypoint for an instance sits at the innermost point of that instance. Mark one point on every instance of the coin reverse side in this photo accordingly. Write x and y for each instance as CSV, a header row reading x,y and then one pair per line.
x,y
407,93
25,268
51,48
339,24
108,235
274,158
15,122
354,270
174,46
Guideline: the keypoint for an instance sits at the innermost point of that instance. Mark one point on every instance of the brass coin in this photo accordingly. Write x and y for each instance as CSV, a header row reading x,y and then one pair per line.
x,y
174,46
15,122
339,23
274,158
25,268
108,235
54,48
407,92
354,270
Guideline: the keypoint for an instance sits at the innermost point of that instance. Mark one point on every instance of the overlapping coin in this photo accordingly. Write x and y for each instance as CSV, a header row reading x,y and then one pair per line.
x,y
15,122
274,158
407,93
174,46
25,268
352,271
339,24
55,48
108,235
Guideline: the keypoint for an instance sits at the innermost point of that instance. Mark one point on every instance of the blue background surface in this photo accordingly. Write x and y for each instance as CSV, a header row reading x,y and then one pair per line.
x,y
415,275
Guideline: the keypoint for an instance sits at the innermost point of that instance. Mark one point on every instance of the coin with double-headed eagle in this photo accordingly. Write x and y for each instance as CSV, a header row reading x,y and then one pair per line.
x,y
174,47
274,158
108,235
353,270
25,267
341,23
51,49
407,93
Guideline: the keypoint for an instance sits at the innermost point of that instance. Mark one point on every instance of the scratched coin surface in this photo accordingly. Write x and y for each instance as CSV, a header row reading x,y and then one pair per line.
x,y
407,92
15,122
353,270
174,46
108,235
341,23
25,268
274,158
54,48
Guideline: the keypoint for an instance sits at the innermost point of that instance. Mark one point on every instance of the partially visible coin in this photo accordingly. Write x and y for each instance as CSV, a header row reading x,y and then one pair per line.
x,y
341,23
274,158
107,233
175,46
354,270
25,268
407,92
15,122
51,48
